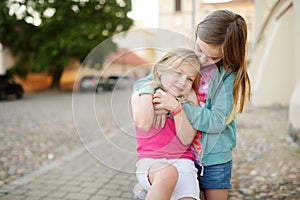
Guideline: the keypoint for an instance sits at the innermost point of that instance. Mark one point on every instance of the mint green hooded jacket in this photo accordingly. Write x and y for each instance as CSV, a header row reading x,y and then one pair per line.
x,y
218,138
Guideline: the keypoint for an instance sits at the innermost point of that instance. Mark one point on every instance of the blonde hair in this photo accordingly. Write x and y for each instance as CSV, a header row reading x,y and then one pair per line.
x,y
173,60
228,29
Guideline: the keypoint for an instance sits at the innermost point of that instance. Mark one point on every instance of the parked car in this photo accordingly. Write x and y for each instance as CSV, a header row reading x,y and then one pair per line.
x,y
119,82
97,84
106,84
88,83
9,87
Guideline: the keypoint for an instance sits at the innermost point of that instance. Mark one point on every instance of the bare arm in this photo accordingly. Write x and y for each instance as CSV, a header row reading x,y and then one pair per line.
x,y
142,110
184,129
160,115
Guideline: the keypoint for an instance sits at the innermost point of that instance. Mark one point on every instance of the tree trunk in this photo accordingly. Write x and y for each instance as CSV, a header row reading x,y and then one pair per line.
x,y
56,78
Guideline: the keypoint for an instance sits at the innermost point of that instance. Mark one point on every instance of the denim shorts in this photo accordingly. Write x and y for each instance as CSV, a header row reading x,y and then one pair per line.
x,y
215,176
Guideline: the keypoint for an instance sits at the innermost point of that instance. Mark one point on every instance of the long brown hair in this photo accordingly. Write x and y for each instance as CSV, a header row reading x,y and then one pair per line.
x,y
228,29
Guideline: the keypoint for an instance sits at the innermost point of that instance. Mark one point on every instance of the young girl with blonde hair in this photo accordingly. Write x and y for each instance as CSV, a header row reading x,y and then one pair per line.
x,y
165,166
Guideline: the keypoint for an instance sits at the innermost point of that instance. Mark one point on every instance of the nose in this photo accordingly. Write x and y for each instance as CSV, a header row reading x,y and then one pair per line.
x,y
182,80
202,58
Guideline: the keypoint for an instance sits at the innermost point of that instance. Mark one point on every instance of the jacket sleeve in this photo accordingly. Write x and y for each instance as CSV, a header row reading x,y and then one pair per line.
x,y
137,84
211,119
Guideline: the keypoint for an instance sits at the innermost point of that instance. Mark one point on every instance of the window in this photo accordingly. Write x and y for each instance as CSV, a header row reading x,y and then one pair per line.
x,y
177,5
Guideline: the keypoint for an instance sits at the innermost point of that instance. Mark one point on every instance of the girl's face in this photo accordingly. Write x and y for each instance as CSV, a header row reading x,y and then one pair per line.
x,y
179,81
208,53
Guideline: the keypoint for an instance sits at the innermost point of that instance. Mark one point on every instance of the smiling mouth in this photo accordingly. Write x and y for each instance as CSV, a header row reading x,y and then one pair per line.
x,y
178,90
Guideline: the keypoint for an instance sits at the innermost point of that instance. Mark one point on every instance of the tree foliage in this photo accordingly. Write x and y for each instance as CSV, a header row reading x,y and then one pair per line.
x,y
46,34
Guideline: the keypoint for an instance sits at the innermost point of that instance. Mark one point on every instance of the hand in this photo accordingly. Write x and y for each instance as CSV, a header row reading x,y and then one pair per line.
x,y
164,100
160,115
192,97
159,111
159,121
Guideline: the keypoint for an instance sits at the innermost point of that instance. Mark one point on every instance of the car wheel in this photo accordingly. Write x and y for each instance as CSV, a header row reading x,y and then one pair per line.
x,y
2,95
99,89
19,93
111,88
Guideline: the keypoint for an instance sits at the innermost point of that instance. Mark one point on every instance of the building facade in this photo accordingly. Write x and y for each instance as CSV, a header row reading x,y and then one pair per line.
x,y
183,16
274,68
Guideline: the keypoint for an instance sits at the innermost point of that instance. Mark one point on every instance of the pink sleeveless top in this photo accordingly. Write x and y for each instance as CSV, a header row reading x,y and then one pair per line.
x,y
162,143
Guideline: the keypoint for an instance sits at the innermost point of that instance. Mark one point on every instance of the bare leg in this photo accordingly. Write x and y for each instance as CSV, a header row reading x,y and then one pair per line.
x,y
163,178
216,194
202,195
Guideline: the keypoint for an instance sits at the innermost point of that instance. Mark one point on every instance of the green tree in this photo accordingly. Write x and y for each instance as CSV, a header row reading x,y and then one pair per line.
x,y
46,34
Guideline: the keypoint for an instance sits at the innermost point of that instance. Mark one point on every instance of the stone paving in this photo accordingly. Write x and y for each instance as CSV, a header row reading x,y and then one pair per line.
x,y
53,147
34,132
266,160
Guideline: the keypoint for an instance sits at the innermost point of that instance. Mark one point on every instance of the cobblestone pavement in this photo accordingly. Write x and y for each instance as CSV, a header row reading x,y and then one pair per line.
x,y
53,146
266,160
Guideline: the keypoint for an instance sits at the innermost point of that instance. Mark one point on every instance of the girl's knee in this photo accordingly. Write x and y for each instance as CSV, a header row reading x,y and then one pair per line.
x,y
171,173
164,175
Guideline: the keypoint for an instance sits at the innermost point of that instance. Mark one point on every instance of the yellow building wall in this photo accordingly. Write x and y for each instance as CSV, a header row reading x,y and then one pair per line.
x,y
272,63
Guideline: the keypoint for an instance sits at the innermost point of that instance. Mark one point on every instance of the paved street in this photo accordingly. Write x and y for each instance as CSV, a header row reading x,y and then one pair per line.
x,y
59,146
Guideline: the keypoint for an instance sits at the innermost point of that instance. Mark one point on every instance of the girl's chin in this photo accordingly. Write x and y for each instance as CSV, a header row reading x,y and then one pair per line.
x,y
177,94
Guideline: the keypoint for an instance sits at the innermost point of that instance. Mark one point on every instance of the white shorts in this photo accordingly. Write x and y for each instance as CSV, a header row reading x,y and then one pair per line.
x,y
187,183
